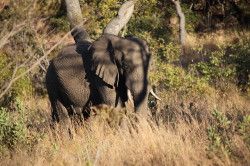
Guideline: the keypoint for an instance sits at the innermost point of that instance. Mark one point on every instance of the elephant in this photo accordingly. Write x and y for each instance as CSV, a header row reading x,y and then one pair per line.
x,y
101,72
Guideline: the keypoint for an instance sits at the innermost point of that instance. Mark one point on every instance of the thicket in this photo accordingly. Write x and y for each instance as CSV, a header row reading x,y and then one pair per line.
x,y
185,82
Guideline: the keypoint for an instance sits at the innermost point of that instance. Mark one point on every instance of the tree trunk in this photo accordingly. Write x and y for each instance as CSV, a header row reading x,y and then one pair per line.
x,y
120,21
74,13
75,18
182,22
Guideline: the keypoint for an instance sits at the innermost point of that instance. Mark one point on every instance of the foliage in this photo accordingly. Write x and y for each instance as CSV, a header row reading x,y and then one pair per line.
x,y
218,133
5,71
168,52
238,55
59,24
244,129
212,70
176,79
12,128
21,88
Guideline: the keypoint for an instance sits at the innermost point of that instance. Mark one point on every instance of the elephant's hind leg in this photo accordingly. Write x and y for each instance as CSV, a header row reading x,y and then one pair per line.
x,y
64,124
77,116
60,117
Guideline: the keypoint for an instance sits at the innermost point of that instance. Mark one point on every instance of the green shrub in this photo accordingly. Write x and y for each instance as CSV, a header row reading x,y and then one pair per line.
x,y
192,18
177,79
4,68
12,128
244,129
238,55
216,69
168,52
219,133
60,24
22,87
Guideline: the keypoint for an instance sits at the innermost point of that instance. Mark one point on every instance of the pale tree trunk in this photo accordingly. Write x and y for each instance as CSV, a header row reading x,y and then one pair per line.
x,y
182,23
75,18
114,26
124,14
74,13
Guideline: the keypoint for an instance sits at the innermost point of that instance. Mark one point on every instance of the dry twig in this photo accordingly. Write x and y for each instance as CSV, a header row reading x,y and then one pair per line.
x,y
34,65
16,29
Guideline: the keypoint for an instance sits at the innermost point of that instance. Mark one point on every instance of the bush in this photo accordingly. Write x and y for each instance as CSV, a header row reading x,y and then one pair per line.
x,y
216,69
177,79
21,88
238,55
218,132
60,24
244,129
12,128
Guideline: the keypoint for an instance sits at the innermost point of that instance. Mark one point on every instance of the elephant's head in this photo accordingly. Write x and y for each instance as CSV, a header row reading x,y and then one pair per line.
x,y
123,61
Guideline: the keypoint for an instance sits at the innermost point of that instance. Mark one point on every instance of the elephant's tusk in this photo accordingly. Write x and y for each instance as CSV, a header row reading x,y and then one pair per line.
x,y
153,93
130,97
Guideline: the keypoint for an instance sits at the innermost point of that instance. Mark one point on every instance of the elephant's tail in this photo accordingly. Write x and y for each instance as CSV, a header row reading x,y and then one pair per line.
x,y
80,35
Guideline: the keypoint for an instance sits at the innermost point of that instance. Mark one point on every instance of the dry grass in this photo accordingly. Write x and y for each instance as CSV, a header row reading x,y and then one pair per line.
x,y
217,38
129,141
99,144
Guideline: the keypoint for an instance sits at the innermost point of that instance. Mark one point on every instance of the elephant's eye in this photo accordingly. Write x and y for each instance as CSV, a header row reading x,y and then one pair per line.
x,y
133,49
124,65
130,50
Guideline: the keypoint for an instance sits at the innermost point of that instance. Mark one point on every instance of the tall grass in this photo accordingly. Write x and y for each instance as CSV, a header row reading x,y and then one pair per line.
x,y
128,140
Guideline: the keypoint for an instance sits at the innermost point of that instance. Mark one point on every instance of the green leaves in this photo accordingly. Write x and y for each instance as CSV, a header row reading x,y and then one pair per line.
x,y
244,129
218,133
12,131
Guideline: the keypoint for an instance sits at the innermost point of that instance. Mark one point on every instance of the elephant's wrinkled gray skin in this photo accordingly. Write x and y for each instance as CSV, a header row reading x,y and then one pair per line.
x,y
99,73
127,59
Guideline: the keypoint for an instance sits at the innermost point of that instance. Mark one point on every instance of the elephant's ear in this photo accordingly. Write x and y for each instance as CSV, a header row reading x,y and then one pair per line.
x,y
103,61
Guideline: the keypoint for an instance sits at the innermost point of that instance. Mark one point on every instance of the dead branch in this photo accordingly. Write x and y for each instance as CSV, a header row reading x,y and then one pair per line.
x,y
16,29
117,23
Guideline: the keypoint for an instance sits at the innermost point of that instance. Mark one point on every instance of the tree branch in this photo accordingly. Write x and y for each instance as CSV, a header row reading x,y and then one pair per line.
x,y
75,18
117,23
16,29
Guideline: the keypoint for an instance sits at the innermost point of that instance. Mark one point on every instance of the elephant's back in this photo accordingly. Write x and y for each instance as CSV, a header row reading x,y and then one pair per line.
x,y
71,75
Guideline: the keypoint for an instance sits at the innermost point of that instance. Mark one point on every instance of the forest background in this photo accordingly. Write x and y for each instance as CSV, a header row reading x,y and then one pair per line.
x,y
204,115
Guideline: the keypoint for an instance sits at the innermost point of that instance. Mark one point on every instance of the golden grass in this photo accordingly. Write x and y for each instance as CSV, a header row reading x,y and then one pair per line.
x,y
118,139
217,38
132,142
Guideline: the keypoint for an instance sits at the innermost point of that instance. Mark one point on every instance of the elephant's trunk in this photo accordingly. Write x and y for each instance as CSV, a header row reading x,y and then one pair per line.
x,y
139,92
141,102
80,35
